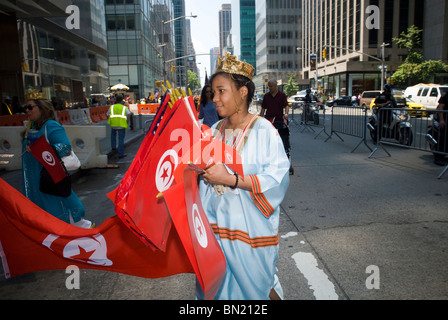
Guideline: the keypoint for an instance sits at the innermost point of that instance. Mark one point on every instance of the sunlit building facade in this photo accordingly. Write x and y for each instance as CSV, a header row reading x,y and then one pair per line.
x,y
278,34
352,34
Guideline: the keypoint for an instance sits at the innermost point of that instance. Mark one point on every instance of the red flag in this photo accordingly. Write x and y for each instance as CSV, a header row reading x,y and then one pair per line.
x,y
206,152
142,153
45,154
139,208
199,241
33,240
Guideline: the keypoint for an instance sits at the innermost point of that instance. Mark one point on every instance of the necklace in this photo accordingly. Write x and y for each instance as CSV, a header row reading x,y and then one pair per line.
x,y
234,136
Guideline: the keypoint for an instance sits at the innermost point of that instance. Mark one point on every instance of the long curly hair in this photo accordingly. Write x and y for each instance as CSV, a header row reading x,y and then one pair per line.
x,y
47,113
204,95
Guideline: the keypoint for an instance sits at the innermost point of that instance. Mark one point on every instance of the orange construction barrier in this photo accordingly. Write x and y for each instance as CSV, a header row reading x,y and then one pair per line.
x,y
147,108
95,114
64,117
15,120
103,112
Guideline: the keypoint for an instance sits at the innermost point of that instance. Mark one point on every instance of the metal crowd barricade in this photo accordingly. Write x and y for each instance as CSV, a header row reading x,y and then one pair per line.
x,y
421,133
349,121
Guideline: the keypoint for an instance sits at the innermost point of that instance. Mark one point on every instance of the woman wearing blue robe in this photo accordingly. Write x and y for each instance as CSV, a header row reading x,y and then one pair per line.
x,y
42,122
244,211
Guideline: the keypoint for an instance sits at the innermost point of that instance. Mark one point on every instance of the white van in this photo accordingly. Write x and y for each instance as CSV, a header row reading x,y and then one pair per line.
x,y
427,95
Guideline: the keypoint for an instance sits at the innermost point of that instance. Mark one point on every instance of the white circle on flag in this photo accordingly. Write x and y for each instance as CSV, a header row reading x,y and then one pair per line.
x,y
48,158
229,157
91,250
165,170
199,228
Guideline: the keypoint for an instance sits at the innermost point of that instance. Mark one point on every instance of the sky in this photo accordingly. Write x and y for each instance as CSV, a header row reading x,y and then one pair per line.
x,y
204,29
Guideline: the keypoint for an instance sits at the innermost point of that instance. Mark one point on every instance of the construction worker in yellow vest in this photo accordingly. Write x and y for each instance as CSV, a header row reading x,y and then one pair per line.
x,y
118,120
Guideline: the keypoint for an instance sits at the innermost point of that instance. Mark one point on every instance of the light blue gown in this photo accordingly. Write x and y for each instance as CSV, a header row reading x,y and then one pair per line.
x,y
59,207
246,223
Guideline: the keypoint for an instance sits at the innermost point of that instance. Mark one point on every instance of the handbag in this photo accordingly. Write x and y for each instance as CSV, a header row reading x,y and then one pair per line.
x,y
71,162
46,185
61,189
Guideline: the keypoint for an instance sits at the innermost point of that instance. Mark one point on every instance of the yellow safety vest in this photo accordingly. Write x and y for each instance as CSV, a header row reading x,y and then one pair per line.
x,y
117,117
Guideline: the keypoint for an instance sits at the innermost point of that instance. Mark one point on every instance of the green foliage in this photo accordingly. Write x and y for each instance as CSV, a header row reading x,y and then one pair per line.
x,y
415,69
411,41
193,81
291,87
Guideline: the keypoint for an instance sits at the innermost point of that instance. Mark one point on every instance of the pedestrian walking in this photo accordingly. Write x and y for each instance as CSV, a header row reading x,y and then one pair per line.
x,y
118,120
244,211
42,122
442,144
207,110
275,104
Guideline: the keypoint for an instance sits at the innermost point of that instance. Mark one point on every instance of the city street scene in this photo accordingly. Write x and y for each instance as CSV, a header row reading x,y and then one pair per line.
x,y
110,188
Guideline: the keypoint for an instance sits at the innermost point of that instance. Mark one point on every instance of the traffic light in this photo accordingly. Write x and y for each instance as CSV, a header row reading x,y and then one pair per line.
x,y
173,68
324,54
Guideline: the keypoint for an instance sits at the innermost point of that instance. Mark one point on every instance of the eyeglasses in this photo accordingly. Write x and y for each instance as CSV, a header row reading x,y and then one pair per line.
x,y
29,107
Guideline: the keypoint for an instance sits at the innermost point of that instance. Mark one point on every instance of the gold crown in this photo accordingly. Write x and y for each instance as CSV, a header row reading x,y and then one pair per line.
x,y
35,95
230,64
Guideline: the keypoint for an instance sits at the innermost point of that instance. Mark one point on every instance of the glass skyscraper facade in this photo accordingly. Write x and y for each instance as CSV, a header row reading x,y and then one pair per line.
x,y
64,63
138,42
243,30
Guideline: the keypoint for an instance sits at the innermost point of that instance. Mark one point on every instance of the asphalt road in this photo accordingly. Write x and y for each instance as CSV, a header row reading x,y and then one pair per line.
x,y
351,228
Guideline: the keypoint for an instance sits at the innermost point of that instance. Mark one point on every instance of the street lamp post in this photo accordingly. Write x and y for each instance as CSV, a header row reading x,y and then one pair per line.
x,y
163,45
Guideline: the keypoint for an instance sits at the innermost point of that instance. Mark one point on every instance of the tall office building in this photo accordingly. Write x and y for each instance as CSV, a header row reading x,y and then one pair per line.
x,y
139,40
180,41
278,34
225,25
191,52
214,54
353,37
243,30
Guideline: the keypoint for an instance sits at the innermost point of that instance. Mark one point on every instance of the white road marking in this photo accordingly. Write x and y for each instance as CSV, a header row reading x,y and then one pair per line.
x,y
323,288
289,234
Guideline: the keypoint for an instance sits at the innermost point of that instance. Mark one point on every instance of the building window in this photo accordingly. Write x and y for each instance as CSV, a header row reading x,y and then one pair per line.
x,y
110,21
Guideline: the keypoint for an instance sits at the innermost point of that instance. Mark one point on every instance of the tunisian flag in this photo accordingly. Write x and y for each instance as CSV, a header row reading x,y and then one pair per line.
x,y
136,197
33,240
45,154
208,151
200,243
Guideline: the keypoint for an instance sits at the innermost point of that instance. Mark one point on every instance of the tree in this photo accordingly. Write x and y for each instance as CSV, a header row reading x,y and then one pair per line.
x,y
193,81
291,87
415,69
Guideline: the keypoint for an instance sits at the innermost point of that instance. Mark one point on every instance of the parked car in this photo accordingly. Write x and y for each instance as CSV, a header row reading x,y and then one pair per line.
x,y
299,97
258,99
405,102
367,97
341,101
294,100
417,108
399,98
427,95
